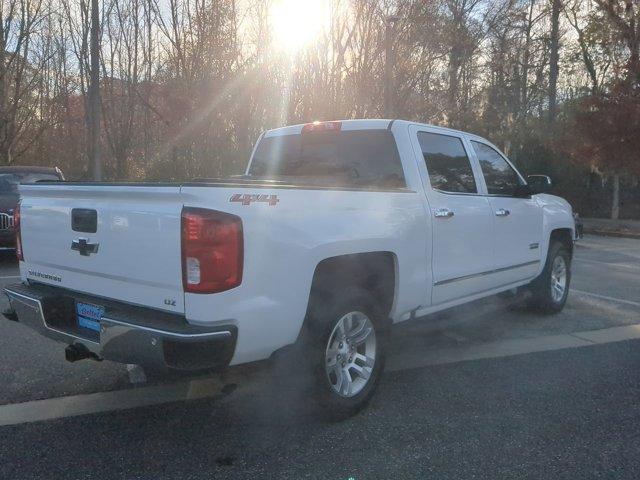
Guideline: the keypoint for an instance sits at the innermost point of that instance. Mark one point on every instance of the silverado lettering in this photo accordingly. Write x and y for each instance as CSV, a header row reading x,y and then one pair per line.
x,y
44,276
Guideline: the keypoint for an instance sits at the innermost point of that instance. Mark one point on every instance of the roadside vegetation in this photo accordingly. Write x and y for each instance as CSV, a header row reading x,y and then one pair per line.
x,y
186,86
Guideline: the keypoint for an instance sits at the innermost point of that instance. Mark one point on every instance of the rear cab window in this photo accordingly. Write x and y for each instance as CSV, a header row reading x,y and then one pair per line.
x,y
334,158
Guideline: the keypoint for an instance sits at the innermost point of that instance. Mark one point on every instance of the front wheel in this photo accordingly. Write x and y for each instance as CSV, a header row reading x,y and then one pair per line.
x,y
551,288
346,340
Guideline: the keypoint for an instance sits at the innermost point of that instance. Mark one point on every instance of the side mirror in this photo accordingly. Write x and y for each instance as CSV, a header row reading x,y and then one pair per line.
x,y
539,184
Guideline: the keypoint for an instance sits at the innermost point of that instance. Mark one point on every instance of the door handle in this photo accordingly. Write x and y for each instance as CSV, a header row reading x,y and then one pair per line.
x,y
443,213
502,212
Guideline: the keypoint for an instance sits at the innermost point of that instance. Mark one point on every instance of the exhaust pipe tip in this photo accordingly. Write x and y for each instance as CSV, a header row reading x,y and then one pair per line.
x,y
72,353
77,351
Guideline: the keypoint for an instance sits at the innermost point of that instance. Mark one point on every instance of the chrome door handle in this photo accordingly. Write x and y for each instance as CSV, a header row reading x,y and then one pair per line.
x,y
443,213
502,212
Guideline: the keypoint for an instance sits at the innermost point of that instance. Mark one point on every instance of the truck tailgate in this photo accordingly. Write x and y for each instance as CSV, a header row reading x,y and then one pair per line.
x,y
113,241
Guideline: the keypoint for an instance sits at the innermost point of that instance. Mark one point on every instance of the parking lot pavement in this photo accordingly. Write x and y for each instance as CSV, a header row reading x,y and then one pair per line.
x,y
565,414
450,406
608,266
605,286
34,367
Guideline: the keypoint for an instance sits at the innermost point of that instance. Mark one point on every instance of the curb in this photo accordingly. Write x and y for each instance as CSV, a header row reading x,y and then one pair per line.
x,y
612,233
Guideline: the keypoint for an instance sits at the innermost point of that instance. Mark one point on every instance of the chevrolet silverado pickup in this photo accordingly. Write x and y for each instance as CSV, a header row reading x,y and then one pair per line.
x,y
336,231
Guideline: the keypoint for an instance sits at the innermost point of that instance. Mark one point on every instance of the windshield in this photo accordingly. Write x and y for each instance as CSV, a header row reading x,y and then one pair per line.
x,y
358,158
29,177
9,183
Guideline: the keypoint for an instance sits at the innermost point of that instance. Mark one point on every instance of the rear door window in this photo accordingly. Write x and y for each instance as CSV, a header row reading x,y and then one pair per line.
x,y
447,163
353,158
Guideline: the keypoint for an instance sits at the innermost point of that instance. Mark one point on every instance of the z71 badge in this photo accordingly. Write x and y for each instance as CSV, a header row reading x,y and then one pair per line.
x,y
248,199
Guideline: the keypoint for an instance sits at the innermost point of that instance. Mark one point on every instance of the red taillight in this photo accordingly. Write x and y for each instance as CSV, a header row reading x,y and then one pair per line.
x,y
322,127
16,226
212,251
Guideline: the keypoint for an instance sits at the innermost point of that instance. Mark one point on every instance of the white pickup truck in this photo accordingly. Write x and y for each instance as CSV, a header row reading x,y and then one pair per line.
x,y
336,231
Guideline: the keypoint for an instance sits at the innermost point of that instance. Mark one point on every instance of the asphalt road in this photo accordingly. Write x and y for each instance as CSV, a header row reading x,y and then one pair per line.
x,y
568,413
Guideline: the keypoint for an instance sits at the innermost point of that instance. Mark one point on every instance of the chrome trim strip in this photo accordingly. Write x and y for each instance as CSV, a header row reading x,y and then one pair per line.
x,y
16,294
38,309
492,289
488,195
481,274
164,333
464,194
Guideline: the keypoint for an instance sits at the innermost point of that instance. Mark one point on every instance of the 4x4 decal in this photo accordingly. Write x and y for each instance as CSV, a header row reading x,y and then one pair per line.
x,y
248,199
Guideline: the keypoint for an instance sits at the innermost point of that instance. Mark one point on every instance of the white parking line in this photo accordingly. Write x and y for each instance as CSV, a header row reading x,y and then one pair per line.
x,y
516,346
502,348
608,264
605,297
55,408
71,406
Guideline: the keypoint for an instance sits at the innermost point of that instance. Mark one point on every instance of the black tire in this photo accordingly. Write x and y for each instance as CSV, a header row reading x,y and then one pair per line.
x,y
325,311
541,288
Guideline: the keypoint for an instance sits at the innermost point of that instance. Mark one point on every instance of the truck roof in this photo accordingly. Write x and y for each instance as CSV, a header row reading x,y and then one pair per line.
x,y
29,169
358,124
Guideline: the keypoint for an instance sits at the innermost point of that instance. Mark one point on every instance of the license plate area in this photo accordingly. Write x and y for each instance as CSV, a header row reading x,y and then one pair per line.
x,y
61,314
88,317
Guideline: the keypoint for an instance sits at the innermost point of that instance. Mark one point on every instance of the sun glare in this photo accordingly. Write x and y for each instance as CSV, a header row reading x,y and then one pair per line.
x,y
297,23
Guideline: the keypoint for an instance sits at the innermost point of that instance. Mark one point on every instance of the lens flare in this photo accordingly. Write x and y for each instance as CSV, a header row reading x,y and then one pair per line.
x,y
296,24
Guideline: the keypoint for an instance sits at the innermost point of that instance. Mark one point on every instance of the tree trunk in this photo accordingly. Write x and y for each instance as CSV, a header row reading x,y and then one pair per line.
x,y
634,63
455,62
93,129
554,46
4,143
615,200
634,43
389,67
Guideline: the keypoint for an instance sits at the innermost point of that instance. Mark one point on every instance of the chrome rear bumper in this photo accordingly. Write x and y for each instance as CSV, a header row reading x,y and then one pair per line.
x,y
128,334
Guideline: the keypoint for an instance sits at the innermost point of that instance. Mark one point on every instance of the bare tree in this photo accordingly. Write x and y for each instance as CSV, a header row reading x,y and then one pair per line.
x,y
93,125
625,18
554,58
20,21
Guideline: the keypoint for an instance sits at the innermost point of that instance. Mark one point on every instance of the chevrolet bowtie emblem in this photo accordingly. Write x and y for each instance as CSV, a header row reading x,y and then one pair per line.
x,y
84,247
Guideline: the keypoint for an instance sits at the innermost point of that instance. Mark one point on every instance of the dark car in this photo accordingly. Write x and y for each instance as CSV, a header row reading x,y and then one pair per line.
x,y
10,177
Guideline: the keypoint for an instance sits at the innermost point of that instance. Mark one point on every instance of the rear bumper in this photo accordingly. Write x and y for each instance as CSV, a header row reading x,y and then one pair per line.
x,y
128,334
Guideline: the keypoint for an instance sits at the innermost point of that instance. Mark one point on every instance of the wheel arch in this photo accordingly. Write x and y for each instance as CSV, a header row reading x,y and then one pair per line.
x,y
375,272
564,236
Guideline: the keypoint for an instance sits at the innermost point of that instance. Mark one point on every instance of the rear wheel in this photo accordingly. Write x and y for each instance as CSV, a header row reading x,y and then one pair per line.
x,y
551,288
346,342
350,354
